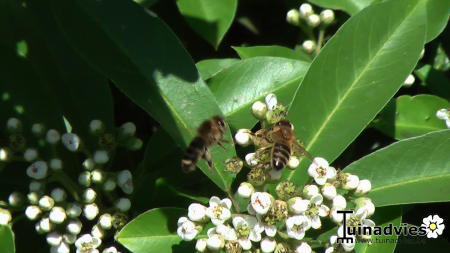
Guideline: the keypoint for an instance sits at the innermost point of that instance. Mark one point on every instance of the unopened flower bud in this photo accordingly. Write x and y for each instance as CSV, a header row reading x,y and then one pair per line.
x,y
256,176
309,46
58,194
36,186
310,190
37,129
33,197
84,178
52,136
327,16
286,190
4,154
443,114
5,216
200,245
54,238
101,157
197,212
71,141
233,165
339,202
335,216
134,144
364,187
243,137
409,80
97,176
89,195
96,126
329,191
305,10
69,238
215,242
366,204
13,124
16,199
45,225
125,181
246,190
73,210
56,164
74,227
251,159
109,185
293,163
128,129
46,203
298,205
105,221
97,231
271,101
88,164
90,211
30,154
350,181
63,247
259,108
303,248
57,215
123,204
313,20
37,170
268,245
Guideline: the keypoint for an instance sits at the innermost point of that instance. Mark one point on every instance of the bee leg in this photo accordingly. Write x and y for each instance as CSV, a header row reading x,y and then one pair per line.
x,y
207,157
222,146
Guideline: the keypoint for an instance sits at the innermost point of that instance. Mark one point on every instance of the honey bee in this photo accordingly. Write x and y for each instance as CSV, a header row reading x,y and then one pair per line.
x,y
283,144
210,133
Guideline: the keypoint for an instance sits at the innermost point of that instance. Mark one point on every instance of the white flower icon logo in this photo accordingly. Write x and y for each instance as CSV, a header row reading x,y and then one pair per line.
x,y
434,225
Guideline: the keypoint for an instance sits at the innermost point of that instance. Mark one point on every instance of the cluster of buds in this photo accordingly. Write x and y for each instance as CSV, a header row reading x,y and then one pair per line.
x,y
279,220
67,212
444,114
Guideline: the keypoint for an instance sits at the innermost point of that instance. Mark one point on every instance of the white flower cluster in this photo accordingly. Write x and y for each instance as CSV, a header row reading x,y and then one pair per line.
x,y
444,114
279,221
64,212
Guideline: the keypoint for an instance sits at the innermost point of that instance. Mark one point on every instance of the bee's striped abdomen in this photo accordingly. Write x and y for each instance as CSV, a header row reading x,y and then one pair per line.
x,y
280,156
194,152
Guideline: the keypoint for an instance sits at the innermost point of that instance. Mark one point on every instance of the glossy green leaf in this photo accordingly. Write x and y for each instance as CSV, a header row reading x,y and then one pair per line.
x,y
247,81
146,3
386,243
154,231
354,76
7,239
437,17
210,67
415,170
434,80
408,116
211,19
349,6
275,51
155,72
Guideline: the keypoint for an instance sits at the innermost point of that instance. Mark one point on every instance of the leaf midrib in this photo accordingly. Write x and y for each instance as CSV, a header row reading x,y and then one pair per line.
x,y
411,181
335,109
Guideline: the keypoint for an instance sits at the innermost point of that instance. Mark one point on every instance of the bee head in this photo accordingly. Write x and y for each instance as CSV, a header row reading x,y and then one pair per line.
x,y
284,123
219,121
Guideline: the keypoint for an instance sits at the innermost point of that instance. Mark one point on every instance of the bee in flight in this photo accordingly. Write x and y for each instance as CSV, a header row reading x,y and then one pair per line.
x,y
281,141
210,133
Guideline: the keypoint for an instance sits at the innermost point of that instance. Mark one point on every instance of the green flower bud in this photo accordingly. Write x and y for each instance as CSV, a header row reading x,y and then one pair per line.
x,y
256,176
234,165
286,190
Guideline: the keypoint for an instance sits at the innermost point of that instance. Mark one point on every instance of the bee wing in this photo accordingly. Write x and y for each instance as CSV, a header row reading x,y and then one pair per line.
x,y
299,150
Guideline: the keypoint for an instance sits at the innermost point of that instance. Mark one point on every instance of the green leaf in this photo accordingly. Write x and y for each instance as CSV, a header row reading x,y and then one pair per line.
x,y
154,231
155,72
276,51
211,67
349,6
354,76
146,3
386,243
415,170
408,116
434,80
211,19
247,81
7,239
437,17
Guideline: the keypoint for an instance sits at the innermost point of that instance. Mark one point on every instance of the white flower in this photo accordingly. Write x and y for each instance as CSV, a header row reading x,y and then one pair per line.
x,y
71,141
434,225
247,229
128,128
409,80
313,20
110,250
261,202
442,114
259,109
32,212
339,202
327,16
245,190
105,221
63,247
321,171
101,157
365,203
298,205
293,162
88,244
317,210
296,226
306,10
58,194
123,204
309,46
52,136
45,225
37,129
200,245
335,216
268,245
271,101
293,17
109,185
197,212
303,248
15,199
243,137
74,226
89,195
30,154
228,233
54,238
46,203
310,190
37,170
329,191
55,164
251,160
329,249
97,176
13,123
73,210
90,211
57,215
125,181
5,216
364,186
350,181
84,178
97,231
219,210
215,242
96,126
